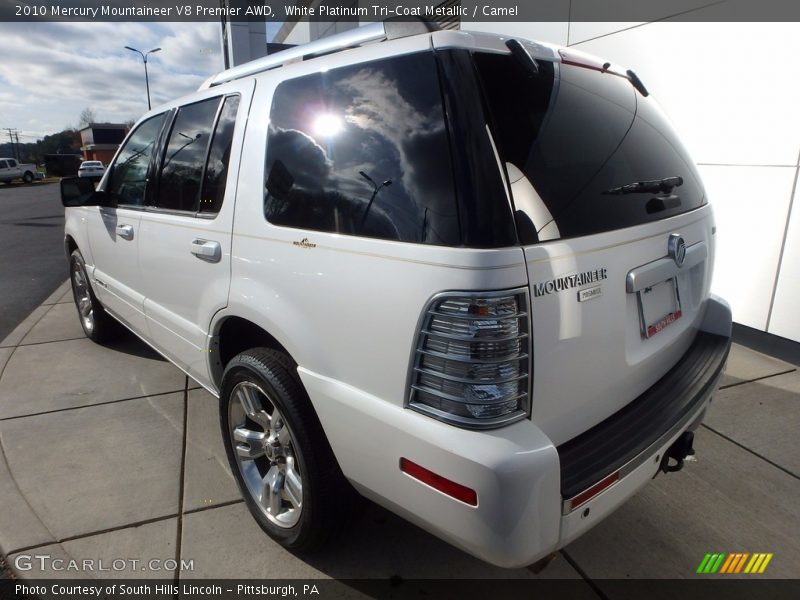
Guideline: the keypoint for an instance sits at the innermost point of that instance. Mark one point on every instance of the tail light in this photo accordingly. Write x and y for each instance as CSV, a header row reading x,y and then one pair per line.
x,y
472,359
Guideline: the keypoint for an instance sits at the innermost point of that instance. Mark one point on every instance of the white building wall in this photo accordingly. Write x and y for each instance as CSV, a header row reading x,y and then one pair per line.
x,y
300,34
246,41
733,93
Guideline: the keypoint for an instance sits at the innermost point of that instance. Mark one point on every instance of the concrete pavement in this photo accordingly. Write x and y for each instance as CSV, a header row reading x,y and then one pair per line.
x,y
113,453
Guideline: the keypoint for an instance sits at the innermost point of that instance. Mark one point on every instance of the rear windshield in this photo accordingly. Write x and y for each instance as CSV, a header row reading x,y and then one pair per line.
x,y
571,138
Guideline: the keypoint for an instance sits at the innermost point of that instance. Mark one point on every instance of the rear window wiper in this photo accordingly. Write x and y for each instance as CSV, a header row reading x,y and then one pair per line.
x,y
653,186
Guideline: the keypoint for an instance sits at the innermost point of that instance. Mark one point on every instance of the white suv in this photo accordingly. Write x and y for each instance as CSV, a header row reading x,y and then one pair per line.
x,y
465,275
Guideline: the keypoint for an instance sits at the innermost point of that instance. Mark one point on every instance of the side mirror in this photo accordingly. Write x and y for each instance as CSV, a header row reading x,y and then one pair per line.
x,y
79,191
76,191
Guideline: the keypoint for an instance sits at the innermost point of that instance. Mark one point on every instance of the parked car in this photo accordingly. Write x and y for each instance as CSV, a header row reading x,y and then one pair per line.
x,y
10,170
91,168
466,276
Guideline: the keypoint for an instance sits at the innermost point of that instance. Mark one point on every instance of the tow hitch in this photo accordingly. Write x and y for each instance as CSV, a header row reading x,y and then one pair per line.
x,y
679,451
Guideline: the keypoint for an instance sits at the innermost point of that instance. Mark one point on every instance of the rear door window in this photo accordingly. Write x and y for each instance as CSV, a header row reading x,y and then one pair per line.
x,y
219,155
363,150
185,156
571,137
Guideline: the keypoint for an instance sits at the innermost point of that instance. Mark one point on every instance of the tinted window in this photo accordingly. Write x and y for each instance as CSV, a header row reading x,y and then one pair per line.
x,y
185,155
485,211
3,164
128,178
575,134
216,174
12,163
363,150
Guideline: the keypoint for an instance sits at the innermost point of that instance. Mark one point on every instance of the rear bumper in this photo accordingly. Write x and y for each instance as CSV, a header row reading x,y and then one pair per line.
x,y
621,442
520,477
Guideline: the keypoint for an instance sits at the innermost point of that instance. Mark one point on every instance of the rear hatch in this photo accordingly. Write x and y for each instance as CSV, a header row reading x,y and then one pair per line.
x,y
615,228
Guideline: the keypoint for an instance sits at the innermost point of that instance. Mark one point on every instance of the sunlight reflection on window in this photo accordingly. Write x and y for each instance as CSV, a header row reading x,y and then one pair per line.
x,y
327,125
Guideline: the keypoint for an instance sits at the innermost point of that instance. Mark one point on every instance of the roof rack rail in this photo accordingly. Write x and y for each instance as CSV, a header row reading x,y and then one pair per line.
x,y
375,32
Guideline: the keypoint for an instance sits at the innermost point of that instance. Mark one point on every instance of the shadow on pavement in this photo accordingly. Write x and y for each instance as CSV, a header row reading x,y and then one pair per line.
x,y
131,344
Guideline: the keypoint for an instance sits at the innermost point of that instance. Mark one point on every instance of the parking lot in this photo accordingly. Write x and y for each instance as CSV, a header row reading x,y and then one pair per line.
x,y
112,452
32,230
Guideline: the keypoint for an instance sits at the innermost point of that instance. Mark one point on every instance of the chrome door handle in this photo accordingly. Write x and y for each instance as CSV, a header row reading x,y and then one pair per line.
x,y
125,232
207,250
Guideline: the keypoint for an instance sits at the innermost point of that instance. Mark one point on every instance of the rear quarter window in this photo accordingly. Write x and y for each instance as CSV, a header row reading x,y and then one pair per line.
x,y
363,150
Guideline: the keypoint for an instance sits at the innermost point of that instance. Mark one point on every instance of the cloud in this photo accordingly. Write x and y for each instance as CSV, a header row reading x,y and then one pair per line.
x,y
414,132
51,71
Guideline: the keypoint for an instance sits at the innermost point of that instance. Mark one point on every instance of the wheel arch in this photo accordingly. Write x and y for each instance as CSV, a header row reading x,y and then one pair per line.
x,y
232,334
70,245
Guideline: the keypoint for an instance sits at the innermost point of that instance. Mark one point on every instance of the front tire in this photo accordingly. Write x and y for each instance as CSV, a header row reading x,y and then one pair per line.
x,y
97,324
278,451
27,177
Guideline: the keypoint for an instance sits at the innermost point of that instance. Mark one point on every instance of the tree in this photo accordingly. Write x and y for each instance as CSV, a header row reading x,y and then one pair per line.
x,y
87,116
62,142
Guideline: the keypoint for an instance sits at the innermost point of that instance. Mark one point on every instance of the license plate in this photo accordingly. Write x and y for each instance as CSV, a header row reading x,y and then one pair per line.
x,y
659,307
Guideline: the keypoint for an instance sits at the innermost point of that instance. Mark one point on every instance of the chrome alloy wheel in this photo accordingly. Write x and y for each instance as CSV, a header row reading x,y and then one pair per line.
x,y
265,453
83,298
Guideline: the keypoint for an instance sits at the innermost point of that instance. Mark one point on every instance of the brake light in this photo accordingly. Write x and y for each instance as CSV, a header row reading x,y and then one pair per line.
x,y
472,359
444,485
577,58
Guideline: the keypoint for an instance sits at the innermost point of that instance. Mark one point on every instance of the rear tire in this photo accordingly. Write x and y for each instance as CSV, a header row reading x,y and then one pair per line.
x,y
97,324
278,452
27,177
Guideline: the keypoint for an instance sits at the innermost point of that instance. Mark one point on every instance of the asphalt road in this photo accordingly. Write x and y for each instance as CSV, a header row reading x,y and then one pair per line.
x,y
32,235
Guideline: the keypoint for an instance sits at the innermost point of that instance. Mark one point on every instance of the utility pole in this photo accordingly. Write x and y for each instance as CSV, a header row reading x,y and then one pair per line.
x,y
11,134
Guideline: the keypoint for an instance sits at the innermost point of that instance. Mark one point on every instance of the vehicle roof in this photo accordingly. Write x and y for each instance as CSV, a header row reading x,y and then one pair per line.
x,y
296,61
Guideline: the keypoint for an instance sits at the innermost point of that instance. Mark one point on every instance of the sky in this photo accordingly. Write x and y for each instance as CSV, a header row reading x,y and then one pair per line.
x,y
50,72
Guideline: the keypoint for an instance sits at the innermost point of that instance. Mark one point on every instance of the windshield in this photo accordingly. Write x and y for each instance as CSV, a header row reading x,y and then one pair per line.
x,y
584,152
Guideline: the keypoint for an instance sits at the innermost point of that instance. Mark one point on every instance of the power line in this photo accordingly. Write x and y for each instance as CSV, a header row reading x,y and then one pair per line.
x,y
14,148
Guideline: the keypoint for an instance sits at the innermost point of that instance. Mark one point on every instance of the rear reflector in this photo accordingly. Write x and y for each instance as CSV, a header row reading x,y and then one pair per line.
x,y
437,482
593,491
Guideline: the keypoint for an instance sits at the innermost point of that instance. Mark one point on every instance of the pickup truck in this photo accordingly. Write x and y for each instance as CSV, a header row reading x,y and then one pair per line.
x,y
10,169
